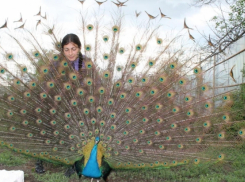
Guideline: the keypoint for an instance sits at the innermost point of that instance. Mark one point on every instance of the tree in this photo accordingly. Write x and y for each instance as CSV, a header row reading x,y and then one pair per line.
x,y
229,25
209,2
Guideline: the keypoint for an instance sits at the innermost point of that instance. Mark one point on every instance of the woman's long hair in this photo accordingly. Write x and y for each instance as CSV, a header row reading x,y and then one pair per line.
x,y
74,39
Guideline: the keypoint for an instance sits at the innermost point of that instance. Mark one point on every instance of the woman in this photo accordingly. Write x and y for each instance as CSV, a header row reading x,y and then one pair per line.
x,y
71,47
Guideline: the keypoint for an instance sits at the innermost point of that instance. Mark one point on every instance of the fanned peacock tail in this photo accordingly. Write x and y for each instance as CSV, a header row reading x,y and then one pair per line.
x,y
146,94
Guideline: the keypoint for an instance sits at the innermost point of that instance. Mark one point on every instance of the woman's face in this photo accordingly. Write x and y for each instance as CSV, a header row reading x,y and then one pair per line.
x,y
71,51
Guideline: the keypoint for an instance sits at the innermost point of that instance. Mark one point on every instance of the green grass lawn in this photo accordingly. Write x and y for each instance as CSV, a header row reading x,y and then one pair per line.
x,y
231,170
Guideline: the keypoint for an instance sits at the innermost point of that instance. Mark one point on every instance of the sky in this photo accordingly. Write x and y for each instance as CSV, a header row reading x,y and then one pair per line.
x,y
65,15
66,12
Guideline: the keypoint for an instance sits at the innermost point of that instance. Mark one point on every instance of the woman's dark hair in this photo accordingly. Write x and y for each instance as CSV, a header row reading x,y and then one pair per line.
x,y
71,38
74,39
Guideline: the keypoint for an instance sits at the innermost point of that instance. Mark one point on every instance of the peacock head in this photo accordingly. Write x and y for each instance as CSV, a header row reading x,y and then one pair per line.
x,y
97,140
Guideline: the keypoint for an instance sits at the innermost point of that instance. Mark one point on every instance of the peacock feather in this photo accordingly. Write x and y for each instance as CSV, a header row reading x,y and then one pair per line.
x,y
147,97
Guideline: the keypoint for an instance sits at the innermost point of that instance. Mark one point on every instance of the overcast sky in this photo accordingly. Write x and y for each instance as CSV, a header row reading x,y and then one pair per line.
x,y
66,12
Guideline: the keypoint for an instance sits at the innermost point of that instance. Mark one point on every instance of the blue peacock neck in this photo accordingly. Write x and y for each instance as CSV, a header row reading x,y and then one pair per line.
x,y
92,169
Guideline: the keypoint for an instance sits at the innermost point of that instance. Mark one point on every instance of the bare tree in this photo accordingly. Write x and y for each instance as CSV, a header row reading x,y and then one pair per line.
x,y
229,26
209,2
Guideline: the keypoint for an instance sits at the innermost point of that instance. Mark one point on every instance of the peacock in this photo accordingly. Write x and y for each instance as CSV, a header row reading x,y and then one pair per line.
x,y
138,98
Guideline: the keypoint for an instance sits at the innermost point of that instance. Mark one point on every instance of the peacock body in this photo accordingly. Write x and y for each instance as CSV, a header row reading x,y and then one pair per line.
x,y
150,101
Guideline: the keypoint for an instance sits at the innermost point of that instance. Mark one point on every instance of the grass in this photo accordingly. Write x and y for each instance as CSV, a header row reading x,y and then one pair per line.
x,y
203,173
54,177
232,170
11,159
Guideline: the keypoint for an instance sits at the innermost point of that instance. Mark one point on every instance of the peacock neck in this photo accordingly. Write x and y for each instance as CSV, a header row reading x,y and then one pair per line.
x,y
92,167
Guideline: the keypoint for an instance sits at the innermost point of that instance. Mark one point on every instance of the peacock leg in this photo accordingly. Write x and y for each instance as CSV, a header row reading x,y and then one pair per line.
x,y
91,179
71,170
39,167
